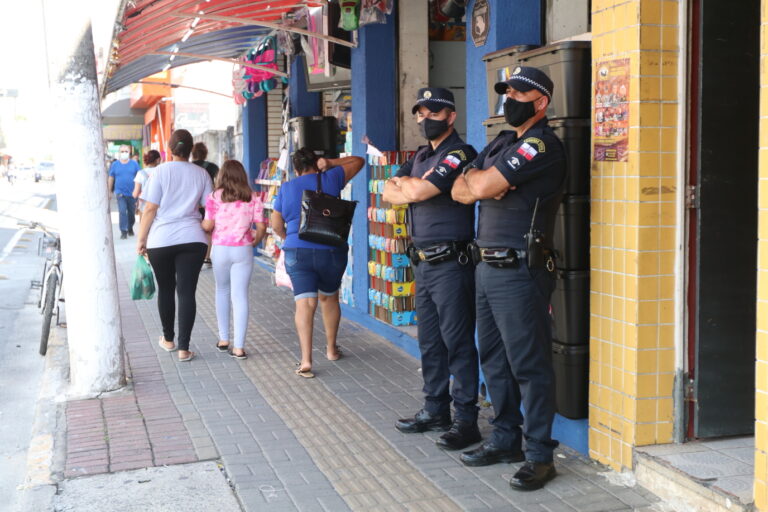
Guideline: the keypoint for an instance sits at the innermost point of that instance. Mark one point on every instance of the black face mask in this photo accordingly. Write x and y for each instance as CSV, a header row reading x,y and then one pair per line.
x,y
431,129
518,112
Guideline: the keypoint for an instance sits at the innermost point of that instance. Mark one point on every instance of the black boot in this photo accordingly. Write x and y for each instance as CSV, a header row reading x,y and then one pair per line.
x,y
422,422
487,454
461,435
533,476
123,235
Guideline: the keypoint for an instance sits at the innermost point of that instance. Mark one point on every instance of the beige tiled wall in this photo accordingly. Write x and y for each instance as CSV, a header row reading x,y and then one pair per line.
x,y
633,238
761,397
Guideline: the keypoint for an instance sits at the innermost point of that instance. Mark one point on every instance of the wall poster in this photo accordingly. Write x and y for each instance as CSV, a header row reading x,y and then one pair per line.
x,y
611,122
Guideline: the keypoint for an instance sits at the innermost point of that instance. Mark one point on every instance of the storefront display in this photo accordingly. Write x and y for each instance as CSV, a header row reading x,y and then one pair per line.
x,y
392,289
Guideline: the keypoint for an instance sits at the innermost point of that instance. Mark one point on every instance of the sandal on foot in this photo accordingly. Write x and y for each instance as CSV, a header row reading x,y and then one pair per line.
x,y
238,356
222,348
161,342
339,354
190,357
307,374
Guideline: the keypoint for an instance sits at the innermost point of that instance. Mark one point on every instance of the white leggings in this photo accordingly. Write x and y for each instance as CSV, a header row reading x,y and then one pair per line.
x,y
232,267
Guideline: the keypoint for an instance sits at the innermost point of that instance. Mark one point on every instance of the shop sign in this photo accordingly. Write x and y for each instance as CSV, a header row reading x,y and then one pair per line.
x,y
611,121
481,22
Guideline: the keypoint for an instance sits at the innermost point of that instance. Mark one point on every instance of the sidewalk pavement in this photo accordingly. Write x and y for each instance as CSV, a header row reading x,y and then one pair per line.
x,y
287,443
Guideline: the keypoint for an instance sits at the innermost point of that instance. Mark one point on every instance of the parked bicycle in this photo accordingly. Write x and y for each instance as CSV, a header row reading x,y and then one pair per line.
x,y
52,279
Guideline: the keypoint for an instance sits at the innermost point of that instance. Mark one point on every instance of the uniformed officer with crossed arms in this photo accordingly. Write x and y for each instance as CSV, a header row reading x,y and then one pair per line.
x,y
441,229
519,180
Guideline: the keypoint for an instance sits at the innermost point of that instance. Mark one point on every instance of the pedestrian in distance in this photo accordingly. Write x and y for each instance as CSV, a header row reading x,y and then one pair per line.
x,y
199,155
315,269
441,230
171,235
519,179
151,160
230,214
121,175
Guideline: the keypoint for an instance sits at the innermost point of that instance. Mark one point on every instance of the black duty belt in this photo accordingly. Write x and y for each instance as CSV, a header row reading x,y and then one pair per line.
x,y
438,253
506,257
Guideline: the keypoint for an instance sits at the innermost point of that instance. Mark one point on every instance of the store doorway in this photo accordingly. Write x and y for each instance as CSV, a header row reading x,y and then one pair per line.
x,y
724,102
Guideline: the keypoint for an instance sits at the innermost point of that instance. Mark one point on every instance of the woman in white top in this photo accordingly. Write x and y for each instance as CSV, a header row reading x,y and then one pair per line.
x,y
171,235
151,160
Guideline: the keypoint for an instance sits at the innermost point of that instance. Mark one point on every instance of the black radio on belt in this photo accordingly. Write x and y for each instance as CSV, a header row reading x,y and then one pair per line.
x,y
538,255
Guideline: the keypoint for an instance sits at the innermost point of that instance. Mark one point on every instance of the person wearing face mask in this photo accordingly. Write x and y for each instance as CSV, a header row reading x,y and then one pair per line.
x,y
441,229
519,180
122,172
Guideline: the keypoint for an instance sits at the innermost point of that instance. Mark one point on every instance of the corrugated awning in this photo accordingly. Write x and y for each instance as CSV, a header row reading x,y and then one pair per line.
x,y
149,26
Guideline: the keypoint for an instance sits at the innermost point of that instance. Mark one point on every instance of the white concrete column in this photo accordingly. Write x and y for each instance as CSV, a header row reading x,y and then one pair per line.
x,y
90,280
413,23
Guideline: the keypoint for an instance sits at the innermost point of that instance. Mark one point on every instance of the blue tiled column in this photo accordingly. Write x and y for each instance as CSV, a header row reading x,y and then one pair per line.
x,y
513,22
374,113
254,135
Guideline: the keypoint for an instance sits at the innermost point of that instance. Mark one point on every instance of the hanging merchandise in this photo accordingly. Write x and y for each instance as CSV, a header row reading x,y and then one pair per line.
x,y
447,10
375,11
288,43
350,14
258,80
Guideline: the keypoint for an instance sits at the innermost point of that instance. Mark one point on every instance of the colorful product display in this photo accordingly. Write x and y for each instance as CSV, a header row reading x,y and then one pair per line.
x,y
267,183
392,290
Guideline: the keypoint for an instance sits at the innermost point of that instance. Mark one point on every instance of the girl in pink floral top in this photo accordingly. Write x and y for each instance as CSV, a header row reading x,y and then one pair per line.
x,y
230,212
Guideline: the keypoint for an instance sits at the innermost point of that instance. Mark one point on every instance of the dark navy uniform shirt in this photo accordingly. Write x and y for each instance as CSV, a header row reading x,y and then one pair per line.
x,y
536,165
440,218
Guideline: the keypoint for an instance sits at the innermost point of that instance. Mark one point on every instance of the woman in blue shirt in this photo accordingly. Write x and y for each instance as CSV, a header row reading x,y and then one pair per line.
x,y
315,269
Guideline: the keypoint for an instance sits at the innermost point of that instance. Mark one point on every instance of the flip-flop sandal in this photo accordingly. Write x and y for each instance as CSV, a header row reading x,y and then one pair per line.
x,y
339,354
307,374
240,357
190,357
222,348
161,343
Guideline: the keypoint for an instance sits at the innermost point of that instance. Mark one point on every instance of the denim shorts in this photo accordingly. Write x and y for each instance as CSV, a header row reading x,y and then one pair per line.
x,y
314,271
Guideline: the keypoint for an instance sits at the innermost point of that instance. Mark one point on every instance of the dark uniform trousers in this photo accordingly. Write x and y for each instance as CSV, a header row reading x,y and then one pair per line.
x,y
514,338
445,305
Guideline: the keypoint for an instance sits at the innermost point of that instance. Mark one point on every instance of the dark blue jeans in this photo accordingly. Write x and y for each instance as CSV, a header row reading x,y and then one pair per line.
x,y
126,207
514,335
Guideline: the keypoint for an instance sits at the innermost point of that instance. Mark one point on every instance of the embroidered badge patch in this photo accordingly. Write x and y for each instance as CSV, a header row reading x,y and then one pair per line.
x,y
452,161
534,141
514,163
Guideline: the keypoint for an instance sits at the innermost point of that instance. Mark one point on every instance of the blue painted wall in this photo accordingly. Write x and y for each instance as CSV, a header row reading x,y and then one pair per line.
x,y
254,135
513,22
303,103
374,110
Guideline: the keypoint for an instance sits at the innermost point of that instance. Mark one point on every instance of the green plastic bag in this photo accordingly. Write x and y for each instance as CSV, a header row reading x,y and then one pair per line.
x,y
142,280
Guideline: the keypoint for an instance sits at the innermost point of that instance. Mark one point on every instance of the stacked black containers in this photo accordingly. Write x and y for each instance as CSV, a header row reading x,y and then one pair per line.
x,y
568,64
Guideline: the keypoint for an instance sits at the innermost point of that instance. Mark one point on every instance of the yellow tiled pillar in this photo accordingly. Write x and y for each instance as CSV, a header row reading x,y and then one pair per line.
x,y
761,394
633,228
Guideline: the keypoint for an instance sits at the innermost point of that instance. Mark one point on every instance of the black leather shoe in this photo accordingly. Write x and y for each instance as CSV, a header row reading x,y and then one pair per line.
x,y
487,454
422,422
123,235
533,476
130,232
461,435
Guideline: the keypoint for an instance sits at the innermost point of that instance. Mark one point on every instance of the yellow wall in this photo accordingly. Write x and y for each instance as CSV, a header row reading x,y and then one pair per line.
x,y
761,398
633,238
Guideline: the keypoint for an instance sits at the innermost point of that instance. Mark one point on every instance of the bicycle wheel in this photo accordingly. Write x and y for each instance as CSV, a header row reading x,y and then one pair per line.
x,y
50,299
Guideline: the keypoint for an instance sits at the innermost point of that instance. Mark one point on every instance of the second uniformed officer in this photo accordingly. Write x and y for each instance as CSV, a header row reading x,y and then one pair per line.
x,y
519,179
441,229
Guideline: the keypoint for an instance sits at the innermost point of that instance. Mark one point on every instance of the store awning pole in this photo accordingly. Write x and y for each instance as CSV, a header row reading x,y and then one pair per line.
x,y
222,59
268,24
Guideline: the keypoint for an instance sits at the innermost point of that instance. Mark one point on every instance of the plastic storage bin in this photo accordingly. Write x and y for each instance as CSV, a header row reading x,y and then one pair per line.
x,y
494,126
571,364
570,307
569,65
571,236
575,134
498,66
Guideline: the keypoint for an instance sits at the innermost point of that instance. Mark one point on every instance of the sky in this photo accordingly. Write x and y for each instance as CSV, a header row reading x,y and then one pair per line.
x,y
23,66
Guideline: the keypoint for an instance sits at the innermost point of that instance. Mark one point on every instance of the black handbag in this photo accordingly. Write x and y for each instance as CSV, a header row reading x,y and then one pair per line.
x,y
325,219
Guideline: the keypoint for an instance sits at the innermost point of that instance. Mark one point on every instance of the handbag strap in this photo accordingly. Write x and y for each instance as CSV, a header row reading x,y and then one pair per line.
x,y
319,182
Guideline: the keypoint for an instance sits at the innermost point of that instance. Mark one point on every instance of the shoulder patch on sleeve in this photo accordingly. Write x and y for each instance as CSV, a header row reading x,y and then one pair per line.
x,y
514,163
540,146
